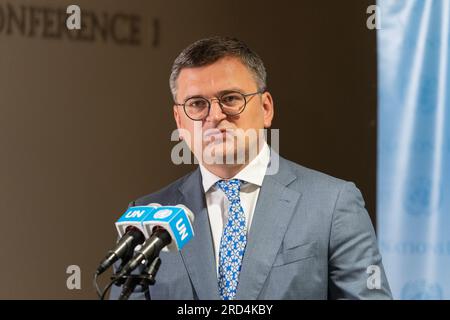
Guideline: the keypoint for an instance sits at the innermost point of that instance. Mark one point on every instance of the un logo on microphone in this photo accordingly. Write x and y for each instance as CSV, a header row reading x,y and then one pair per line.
x,y
162,214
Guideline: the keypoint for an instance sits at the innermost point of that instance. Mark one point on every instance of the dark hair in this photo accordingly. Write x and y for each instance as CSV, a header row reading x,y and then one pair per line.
x,y
209,50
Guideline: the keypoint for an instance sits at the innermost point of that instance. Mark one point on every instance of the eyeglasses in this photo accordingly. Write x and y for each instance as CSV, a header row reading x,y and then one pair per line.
x,y
232,103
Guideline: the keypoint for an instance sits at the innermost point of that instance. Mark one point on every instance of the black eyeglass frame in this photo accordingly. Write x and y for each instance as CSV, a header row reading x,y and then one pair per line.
x,y
245,95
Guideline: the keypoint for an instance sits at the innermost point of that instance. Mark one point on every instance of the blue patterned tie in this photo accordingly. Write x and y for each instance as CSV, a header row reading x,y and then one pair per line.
x,y
234,240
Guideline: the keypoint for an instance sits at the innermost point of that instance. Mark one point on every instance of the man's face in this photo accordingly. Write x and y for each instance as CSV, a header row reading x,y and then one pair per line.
x,y
217,132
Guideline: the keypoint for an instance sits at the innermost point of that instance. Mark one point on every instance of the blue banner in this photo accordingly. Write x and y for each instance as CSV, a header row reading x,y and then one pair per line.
x,y
413,187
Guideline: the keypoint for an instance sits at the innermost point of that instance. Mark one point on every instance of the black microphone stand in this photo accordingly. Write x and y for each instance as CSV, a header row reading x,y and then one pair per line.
x,y
145,279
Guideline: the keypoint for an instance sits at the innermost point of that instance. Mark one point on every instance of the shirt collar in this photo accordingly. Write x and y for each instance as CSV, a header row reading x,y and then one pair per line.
x,y
252,173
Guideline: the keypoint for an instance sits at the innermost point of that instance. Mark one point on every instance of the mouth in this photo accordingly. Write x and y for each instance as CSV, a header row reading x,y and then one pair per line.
x,y
217,134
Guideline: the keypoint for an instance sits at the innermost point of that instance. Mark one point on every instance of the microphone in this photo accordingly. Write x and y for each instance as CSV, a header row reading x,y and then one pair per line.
x,y
130,229
169,227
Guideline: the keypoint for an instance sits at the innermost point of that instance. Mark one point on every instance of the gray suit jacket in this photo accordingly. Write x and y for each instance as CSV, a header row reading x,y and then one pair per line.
x,y
310,238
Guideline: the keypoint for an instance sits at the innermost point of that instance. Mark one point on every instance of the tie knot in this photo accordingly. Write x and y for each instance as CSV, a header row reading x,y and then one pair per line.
x,y
231,188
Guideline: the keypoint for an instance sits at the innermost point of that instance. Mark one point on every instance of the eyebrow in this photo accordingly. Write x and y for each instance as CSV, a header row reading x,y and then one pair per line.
x,y
218,94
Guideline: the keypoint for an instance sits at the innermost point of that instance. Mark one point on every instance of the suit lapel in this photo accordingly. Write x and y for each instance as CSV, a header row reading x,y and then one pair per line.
x,y
198,254
272,214
274,209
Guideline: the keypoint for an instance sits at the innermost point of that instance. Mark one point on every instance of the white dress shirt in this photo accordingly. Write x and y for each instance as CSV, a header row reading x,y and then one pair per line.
x,y
217,203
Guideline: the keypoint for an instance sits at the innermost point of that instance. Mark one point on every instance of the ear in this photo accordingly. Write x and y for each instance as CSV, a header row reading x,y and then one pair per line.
x,y
267,104
177,117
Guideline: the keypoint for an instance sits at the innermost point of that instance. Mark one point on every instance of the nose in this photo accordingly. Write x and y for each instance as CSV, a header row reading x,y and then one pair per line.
x,y
215,112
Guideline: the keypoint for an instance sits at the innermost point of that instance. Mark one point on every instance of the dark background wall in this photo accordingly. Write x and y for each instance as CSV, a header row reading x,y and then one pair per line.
x,y
85,126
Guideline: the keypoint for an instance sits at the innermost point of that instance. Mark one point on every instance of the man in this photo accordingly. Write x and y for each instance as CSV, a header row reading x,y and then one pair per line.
x,y
265,228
